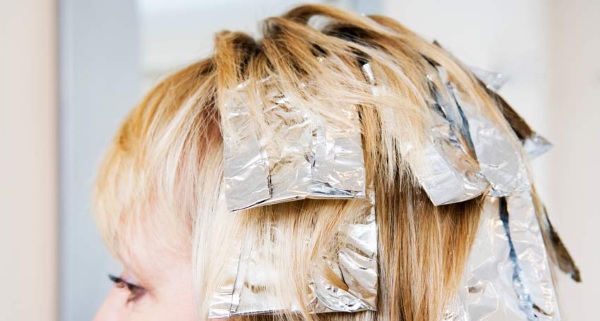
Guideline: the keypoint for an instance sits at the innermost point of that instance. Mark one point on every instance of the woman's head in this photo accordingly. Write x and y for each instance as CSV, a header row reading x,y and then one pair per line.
x,y
160,202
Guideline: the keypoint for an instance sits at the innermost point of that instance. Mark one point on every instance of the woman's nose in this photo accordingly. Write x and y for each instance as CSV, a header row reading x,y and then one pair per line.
x,y
113,308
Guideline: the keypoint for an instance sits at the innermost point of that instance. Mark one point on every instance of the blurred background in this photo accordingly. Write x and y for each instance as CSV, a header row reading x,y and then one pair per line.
x,y
71,69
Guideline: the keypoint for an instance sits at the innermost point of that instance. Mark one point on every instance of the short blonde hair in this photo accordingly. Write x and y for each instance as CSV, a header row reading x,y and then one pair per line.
x,y
164,168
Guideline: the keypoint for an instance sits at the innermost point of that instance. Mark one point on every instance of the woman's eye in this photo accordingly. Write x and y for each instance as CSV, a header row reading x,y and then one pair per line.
x,y
134,291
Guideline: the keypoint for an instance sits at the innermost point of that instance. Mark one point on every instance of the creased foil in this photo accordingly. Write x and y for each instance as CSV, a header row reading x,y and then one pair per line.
x,y
492,80
534,144
532,256
465,152
246,169
507,275
487,290
499,158
251,287
300,155
355,264
444,167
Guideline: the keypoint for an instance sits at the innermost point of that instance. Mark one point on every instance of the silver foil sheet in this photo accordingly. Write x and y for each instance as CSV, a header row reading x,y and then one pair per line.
x,y
351,256
448,170
535,145
246,170
300,155
487,290
443,166
532,256
465,152
499,158
492,80
507,275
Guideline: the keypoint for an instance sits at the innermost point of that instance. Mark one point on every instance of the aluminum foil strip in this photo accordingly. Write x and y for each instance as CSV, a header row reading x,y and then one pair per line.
x,y
444,167
489,289
499,158
491,79
532,255
355,264
246,171
300,156
445,105
525,302
250,281
534,144
448,172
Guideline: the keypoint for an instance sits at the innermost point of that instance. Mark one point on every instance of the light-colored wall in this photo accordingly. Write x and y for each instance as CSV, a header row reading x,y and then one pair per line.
x,y
100,78
575,126
28,161
176,33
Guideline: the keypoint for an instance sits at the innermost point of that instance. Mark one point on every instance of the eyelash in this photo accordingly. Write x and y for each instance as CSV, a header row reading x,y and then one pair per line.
x,y
135,291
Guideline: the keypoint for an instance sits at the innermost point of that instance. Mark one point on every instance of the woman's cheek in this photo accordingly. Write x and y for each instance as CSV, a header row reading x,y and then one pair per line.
x,y
117,308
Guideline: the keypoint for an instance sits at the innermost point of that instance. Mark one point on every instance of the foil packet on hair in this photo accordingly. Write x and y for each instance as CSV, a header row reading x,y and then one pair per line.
x,y
444,166
491,79
499,158
507,275
466,152
534,143
350,258
297,154
531,255
487,290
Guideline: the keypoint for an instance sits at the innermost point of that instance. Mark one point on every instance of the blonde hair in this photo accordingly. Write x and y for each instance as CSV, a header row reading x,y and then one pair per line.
x,y
164,169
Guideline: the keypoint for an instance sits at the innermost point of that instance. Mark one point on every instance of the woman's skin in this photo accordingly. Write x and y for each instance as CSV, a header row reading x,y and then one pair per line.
x,y
165,286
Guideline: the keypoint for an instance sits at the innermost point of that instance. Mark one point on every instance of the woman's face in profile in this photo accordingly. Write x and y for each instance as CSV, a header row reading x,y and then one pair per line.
x,y
156,284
